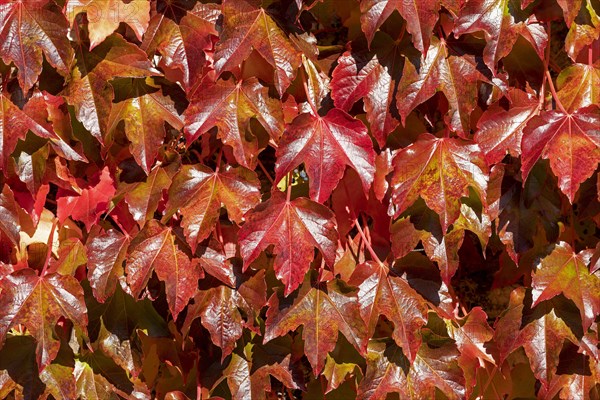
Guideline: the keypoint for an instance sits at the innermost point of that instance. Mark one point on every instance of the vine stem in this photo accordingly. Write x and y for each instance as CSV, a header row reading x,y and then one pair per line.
x,y
308,98
548,77
219,160
542,100
489,381
368,243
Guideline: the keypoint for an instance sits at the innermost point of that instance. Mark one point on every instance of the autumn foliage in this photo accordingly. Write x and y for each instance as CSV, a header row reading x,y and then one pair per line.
x,y
299,199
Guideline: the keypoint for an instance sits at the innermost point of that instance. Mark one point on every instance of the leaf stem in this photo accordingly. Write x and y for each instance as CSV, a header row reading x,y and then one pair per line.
x,y
367,243
542,99
308,97
489,380
264,170
548,77
288,181
554,94
219,160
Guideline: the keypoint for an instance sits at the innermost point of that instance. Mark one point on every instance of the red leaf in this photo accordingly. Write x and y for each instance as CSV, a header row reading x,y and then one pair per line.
x,y
104,16
15,123
579,86
571,143
542,340
247,27
222,311
182,44
229,107
326,145
145,114
143,199
442,71
500,131
30,30
89,204
380,293
106,252
88,89
370,76
9,216
564,271
420,16
440,171
155,249
502,23
38,302
324,311
198,193
295,228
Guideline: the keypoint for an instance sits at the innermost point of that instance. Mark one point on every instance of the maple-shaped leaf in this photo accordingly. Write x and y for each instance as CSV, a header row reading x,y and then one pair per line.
x,y
295,228
436,369
249,376
570,9
323,310
385,372
370,75
500,131
224,311
59,381
420,16
543,340
90,384
145,114
198,193
248,27
143,199
38,302
566,272
440,171
338,373
155,249
578,86
380,293
570,141
106,252
456,76
443,248
51,113
88,89
507,326
432,370
317,81
230,107
182,44
104,16
215,261
471,336
583,22
88,205
30,30
14,125
326,145
503,22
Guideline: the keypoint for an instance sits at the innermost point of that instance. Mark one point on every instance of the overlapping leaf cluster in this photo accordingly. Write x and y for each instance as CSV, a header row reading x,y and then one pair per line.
x,y
299,199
